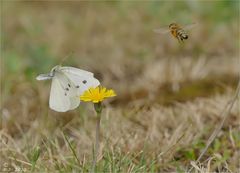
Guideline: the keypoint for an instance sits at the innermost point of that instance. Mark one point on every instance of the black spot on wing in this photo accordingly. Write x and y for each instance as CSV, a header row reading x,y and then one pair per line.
x,y
69,85
84,81
77,86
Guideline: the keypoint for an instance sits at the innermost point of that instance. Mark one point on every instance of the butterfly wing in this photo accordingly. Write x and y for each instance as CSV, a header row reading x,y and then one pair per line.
x,y
82,79
76,71
63,95
58,100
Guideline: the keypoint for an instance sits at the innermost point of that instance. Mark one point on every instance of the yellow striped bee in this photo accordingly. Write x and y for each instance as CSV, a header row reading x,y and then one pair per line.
x,y
176,30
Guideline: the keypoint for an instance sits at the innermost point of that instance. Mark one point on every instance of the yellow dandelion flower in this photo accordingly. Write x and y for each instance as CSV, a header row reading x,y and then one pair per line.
x,y
97,94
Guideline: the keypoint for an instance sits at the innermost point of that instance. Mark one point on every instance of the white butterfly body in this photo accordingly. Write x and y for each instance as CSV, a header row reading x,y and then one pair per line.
x,y
68,83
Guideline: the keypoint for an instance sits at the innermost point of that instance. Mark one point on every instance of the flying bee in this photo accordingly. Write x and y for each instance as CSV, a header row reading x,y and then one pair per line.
x,y
176,30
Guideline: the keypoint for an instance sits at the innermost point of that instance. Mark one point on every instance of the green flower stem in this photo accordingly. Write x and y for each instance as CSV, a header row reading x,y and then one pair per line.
x,y
98,109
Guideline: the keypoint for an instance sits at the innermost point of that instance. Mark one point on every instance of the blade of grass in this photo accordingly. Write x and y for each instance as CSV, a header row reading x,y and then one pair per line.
x,y
224,114
71,147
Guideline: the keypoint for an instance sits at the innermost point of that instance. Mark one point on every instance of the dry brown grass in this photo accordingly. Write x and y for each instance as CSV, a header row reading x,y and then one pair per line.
x,y
169,99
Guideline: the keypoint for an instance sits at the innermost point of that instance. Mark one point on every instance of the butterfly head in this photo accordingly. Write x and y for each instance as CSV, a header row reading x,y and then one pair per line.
x,y
54,69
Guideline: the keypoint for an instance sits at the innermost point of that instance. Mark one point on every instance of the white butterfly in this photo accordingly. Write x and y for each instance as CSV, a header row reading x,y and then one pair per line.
x,y
68,83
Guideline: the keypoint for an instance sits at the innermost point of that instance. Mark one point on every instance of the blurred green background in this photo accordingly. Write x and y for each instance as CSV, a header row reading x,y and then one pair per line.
x,y
161,85
37,35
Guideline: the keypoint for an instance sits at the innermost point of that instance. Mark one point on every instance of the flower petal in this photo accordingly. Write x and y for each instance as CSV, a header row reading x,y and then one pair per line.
x,y
97,94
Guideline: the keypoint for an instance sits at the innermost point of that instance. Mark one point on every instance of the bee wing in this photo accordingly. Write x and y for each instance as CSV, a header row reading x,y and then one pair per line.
x,y
190,26
162,30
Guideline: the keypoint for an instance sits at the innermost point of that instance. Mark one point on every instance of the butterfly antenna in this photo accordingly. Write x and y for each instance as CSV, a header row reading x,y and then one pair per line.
x,y
66,57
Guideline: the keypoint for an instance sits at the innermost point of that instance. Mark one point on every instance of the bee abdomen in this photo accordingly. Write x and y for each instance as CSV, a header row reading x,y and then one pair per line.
x,y
185,36
182,34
